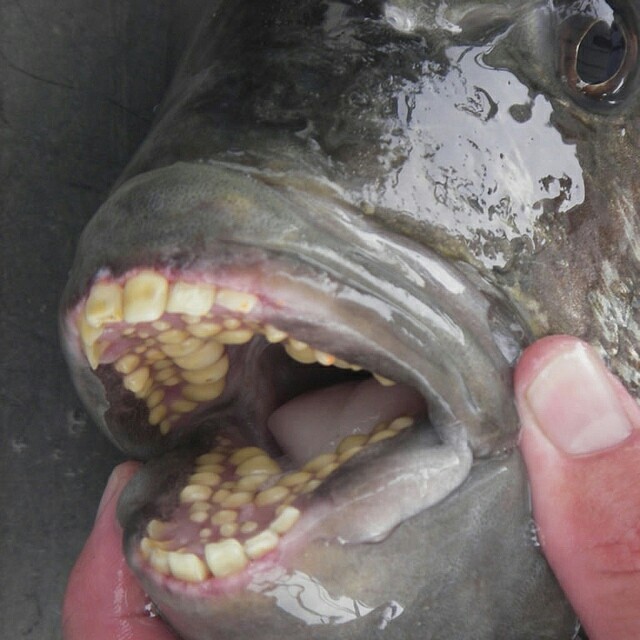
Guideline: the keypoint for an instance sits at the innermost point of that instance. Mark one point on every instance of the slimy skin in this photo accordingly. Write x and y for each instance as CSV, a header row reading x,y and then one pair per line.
x,y
304,297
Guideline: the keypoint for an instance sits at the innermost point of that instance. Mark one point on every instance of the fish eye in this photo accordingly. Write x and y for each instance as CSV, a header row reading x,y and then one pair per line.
x,y
598,57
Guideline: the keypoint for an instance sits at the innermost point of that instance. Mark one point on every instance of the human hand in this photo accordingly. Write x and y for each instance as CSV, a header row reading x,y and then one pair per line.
x,y
580,440
104,600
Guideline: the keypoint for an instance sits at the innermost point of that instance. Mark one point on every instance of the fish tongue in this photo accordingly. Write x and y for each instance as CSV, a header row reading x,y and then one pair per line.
x,y
316,422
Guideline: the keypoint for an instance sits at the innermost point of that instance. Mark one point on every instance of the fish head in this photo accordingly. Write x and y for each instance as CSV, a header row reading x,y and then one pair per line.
x,y
303,299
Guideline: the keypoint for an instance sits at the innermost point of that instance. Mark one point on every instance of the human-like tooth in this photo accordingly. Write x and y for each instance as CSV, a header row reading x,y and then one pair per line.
x,y
203,392
127,364
183,348
88,334
312,485
199,505
252,482
189,319
231,323
104,304
161,325
244,453
228,529
225,558
206,478
355,440
199,517
220,496
348,454
157,529
319,462
210,458
272,495
385,434
297,345
209,353
145,297
240,301
146,389
325,359
236,336
326,470
187,567
261,544
157,414
205,533
385,382
136,380
249,526
295,478
274,335
172,382
165,374
287,518
165,427
237,499
403,422
159,560
210,468
183,406
195,493
172,336
224,516
259,464
212,373
305,356
154,355
155,398
204,329
191,298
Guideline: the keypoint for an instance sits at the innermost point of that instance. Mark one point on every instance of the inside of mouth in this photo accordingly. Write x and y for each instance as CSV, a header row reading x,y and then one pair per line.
x,y
174,343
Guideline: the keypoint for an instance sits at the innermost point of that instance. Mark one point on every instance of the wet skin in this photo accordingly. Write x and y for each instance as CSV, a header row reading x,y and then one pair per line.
x,y
414,191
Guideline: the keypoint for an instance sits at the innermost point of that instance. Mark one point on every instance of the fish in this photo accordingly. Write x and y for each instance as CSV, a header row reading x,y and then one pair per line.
x,y
302,302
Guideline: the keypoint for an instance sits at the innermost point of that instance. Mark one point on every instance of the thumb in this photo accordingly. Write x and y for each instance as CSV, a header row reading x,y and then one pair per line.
x,y
581,444
103,600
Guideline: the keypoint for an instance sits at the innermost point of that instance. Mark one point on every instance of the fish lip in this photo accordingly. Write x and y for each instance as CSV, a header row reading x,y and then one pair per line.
x,y
141,220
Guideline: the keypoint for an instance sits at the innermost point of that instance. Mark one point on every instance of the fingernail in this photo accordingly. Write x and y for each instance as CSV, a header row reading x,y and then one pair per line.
x,y
574,403
112,488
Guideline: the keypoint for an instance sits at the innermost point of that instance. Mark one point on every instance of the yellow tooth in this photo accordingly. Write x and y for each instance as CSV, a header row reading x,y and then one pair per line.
x,y
171,382
224,516
104,304
184,348
198,517
287,518
236,300
231,323
385,382
159,560
161,325
385,434
191,299
205,533
325,471
312,485
237,499
165,427
225,558
261,544
146,389
295,478
356,440
228,529
220,496
323,358
204,329
157,414
274,335
348,454
236,336
240,455
248,527
319,462
217,371
187,567
304,356
205,356
207,478
210,468
182,406
188,319
271,496
165,374
195,493
155,398
172,336
136,380
199,505
251,483
145,297
88,334
127,363
157,529
297,345
211,458
154,355
404,422
203,392
259,464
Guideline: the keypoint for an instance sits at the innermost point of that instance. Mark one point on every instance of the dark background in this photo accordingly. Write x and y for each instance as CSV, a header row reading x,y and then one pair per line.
x,y
79,80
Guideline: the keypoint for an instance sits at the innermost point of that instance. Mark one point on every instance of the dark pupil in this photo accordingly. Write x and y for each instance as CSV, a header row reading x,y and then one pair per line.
x,y
600,53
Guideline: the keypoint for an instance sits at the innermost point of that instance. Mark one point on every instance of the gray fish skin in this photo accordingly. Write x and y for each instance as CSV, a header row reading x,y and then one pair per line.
x,y
438,164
